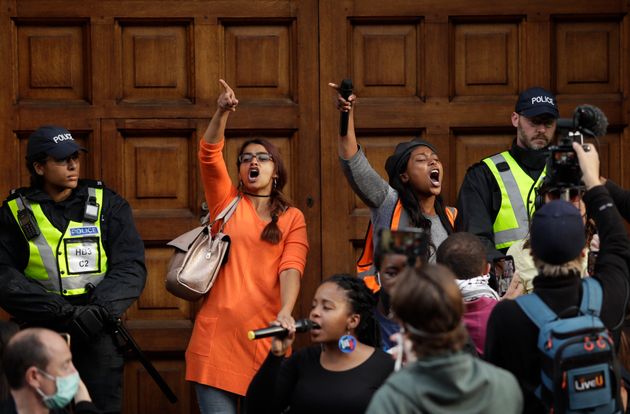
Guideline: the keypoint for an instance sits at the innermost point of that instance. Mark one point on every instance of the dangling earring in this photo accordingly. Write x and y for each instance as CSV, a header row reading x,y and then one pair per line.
x,y
275,182
240,184
347,343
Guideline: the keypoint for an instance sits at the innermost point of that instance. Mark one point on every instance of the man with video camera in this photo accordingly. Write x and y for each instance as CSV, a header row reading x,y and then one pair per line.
x,y
557,240
491,197
71,259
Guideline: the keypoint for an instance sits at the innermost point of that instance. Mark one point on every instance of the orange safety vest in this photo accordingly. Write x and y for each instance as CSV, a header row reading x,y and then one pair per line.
x,y
365,264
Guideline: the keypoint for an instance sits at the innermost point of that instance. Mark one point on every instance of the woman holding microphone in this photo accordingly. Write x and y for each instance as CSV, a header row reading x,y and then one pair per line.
x,y
261,279
337,375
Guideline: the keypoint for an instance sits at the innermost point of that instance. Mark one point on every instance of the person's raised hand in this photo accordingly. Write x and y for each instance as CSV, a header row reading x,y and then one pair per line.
x,y
516,287
342,104
227,99
589,164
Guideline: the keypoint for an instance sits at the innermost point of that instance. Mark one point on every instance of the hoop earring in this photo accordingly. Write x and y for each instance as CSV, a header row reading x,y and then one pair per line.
x,y
347,343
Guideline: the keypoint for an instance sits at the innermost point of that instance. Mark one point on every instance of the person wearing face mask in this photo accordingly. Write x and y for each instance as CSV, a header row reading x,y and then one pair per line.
x,y
497,194
411,197
71,259
42,379
260,281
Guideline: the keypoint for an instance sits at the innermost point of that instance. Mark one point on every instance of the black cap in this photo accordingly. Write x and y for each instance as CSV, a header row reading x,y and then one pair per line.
x,y
394,161
557,232
537,101
54,141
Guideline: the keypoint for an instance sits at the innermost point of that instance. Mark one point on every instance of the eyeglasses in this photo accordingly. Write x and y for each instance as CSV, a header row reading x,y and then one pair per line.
x,y
538,121
65,161
260,156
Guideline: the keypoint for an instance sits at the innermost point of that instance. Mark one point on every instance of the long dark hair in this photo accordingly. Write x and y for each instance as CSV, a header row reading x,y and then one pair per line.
x,y
362,302
278,202
411,204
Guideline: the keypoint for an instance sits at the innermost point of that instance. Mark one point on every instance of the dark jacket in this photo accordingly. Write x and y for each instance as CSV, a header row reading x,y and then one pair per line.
x,y
29,302
621,198
479,199
511,341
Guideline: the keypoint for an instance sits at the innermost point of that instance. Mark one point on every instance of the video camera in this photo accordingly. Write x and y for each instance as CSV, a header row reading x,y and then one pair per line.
x,y
563,169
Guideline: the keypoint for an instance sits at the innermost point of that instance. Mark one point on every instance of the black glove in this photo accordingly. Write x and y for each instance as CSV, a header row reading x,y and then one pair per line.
x,y
88,322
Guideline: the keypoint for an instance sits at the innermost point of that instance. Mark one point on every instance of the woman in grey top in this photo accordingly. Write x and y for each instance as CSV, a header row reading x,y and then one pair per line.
x,y
412,196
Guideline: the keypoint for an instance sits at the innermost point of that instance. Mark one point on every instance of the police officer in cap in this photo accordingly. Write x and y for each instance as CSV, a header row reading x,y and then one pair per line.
x,y
497,195
71,259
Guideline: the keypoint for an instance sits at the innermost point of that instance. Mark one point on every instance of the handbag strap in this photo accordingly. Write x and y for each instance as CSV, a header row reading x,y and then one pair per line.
x,y
226,213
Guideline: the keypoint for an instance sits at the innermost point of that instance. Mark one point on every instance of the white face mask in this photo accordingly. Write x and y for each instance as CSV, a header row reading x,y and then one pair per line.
x,y
67,387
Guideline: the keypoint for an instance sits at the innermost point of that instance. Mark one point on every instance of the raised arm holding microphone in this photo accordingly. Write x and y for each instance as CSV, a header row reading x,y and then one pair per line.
x,y
337,375
410,198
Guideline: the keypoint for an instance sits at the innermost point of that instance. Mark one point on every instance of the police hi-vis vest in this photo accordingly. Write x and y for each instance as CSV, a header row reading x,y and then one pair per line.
x,y
517,199
66,262
366,269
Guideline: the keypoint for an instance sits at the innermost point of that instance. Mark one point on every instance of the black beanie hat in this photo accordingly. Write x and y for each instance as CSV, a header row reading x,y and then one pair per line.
x,y
394,161
557,233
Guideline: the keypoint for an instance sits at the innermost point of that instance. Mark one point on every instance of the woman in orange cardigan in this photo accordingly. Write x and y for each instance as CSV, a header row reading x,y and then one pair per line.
x,y
260,281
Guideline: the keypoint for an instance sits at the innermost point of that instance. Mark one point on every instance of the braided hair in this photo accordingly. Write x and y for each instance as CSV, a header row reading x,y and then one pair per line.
x,y
278,202
362,302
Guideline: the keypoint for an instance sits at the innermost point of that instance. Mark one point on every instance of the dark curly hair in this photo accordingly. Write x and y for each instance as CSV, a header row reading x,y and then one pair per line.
x,y
362,302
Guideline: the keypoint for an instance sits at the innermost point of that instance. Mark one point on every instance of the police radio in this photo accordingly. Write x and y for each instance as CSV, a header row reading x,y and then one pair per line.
x,y
27,222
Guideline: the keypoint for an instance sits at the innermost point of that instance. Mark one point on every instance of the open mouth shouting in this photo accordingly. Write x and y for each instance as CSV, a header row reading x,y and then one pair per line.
x,y
434,176
253,174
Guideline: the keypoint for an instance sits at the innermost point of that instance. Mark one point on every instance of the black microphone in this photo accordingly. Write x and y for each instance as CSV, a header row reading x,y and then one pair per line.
x,y
345,90
591,120
302,325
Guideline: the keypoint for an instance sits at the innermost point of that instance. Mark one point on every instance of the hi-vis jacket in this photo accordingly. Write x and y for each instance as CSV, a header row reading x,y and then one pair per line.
x,y
517,199
65,262
365,265
118,262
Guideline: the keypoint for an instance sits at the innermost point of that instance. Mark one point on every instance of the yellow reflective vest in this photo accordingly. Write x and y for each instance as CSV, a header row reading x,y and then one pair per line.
x,y
517,199
65,262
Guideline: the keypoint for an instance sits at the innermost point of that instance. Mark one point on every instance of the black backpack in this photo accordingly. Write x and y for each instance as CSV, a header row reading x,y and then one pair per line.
x,y
580,371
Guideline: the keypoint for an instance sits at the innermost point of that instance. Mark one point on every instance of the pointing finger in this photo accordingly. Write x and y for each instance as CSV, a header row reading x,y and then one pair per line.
x,y
226,87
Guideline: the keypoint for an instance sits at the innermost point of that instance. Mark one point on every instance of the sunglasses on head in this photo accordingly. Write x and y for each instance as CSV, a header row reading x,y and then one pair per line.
x,y
260,156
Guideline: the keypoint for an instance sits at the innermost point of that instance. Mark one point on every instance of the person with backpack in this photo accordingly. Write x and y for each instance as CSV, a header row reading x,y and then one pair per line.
x,y
410,199
536,341
438,375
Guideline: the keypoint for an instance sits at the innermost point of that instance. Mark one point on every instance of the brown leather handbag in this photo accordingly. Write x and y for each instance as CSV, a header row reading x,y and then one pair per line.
x,y
198,256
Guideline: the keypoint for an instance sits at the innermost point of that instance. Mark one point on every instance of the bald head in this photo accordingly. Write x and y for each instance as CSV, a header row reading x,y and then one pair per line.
x,y
32,347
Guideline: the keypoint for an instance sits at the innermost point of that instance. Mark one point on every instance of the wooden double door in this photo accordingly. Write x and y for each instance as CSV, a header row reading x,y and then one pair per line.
x,y
136,82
